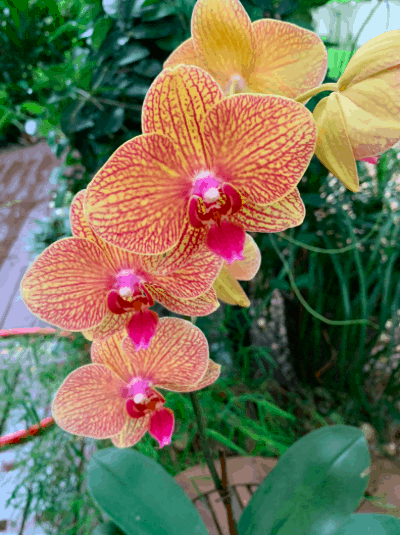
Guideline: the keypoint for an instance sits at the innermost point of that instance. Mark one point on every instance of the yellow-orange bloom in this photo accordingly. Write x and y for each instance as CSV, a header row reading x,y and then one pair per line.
x,y
362,118
266,56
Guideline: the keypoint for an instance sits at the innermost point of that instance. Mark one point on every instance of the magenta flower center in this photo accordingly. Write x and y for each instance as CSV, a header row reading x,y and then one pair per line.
x,y
141,398
128,293
212,201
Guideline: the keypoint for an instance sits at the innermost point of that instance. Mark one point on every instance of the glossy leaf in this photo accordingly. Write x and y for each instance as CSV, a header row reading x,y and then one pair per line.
x,y
316,484
140,496
373,524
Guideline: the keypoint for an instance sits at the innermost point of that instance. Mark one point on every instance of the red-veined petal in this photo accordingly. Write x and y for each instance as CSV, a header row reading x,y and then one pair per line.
x,y
111,324
178,353
79,225
138,200
132,432
175,105
67,284
89,402
212,373
289,60
260,144
109,352
203,305
287,213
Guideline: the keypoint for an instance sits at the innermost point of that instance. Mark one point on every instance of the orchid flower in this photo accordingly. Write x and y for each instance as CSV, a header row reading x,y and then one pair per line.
x,y
84,284
206,169
226,285
266,56
361,119
115,396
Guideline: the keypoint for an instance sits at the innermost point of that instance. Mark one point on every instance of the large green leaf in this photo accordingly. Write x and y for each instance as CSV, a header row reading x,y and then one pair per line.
x,y
316,484
108,528
140,496
370,524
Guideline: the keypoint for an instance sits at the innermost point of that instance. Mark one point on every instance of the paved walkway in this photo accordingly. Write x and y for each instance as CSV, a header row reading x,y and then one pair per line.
x,y
25,193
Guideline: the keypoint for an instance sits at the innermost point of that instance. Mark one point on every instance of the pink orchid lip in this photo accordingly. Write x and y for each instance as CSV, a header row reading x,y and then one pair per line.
x,y
128,294
142,400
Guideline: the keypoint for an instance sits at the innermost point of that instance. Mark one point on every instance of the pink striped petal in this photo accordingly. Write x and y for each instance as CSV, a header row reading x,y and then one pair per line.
x,y
67,285
79,225
89,402
109,353
138,199
199,306
177,353
132,432
260,144
162,426
212,373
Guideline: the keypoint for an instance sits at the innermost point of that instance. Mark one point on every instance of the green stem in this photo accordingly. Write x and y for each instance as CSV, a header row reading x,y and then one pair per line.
x,y
315,90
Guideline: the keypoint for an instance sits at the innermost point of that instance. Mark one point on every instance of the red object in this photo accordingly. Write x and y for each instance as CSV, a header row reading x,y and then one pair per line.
x,y
18,331
13,438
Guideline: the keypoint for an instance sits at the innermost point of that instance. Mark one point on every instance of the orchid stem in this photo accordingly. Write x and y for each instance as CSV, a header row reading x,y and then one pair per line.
x,y
315,90
221,486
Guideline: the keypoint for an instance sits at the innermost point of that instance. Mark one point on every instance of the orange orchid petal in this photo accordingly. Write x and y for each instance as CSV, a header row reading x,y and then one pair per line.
x,y
229,290
185,54
195,278
246,269
333,147
199,306
89,402
223,38
175,106
289,60
274,140
138,199
79,225
212,373
112,323
190,243
371,112
178,353
132,432
287,213
109,352
67,284
378,54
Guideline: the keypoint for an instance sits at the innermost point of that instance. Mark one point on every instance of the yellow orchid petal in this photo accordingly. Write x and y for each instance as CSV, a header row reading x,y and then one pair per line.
x,y
178,353
260,144
246,269
89,402
289,60
68,283
109,353
372,115
175,106
132,432
79,225
229,290
138,199
185,54
111,323
212,373
376,55
286,213
223,38
333,147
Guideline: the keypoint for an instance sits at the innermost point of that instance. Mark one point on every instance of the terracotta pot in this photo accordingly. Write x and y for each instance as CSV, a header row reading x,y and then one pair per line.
x,y
244,476
246,473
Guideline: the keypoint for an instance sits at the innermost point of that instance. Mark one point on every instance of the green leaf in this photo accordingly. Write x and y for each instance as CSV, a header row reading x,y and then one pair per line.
x,y
32,107
109,123
100,32
140,496
133,53
366,523
153,31
317,482
108,528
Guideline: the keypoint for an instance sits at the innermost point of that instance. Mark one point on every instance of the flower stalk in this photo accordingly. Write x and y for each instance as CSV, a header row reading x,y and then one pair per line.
x,y
315,90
